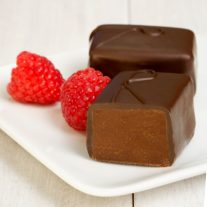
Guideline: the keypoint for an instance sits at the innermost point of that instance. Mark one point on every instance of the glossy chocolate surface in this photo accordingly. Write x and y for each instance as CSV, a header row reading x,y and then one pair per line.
x,y
116,48
142,118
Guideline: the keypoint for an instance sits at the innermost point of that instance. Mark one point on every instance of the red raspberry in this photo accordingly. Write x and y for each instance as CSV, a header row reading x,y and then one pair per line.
x,y
78,93
35,80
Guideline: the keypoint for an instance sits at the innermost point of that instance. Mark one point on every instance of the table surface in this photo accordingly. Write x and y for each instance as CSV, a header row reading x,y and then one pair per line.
x,y
52,26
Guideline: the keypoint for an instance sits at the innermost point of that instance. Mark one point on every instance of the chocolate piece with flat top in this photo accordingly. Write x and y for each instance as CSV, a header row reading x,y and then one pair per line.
x,y
116,48
142,118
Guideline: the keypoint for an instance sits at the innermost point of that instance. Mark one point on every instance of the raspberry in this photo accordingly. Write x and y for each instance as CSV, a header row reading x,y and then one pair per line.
x,y
78,93
35,80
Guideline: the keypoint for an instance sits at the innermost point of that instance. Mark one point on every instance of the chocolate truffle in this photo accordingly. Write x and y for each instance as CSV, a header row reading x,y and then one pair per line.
x,y
116,48
142,118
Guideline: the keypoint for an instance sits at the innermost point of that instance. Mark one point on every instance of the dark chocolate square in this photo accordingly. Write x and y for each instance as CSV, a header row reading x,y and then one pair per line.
x,y
116,48
142,118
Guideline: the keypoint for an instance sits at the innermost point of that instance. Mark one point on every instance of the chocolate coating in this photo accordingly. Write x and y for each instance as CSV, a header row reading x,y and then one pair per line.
x,y
116,48
142,118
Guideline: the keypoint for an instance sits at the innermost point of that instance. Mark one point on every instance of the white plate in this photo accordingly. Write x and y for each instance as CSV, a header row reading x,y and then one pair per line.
x,y
43,132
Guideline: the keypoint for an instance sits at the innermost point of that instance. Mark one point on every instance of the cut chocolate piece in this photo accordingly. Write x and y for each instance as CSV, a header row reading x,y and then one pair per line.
x,y
142,118
116,48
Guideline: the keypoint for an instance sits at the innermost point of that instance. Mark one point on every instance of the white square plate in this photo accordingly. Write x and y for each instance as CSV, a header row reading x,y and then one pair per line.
x,y
42,131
